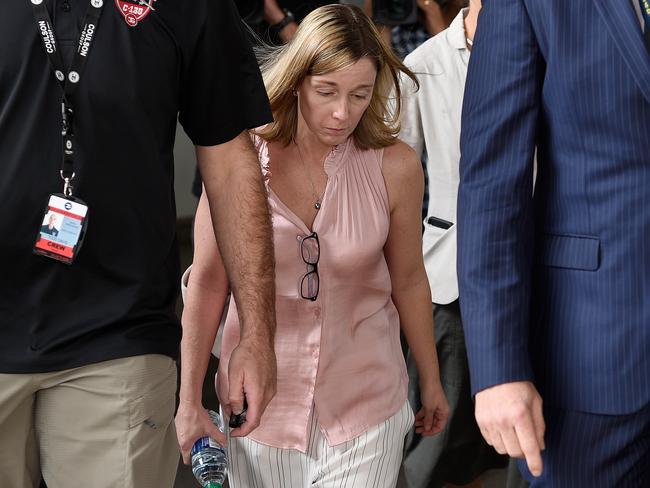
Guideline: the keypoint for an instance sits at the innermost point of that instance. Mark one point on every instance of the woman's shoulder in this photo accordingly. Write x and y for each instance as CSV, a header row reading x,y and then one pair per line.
x,y
397,159
402,171
394,153
400,158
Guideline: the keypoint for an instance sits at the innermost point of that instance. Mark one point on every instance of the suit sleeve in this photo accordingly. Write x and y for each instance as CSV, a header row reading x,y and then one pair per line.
x,y
495,213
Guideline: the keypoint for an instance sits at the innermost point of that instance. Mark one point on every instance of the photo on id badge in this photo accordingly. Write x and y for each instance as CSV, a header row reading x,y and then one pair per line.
x,y
62,228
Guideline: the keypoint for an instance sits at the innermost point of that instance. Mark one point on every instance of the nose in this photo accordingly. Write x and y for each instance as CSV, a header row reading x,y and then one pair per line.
x,y
341,110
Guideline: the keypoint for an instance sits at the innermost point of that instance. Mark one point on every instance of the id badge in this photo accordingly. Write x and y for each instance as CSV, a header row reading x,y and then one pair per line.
x,y
62,229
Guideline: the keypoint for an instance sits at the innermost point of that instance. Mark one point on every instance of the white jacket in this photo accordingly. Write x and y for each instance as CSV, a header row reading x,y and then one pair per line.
x,y
430,121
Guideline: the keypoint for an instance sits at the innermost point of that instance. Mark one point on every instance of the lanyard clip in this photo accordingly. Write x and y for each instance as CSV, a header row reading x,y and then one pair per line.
x,y
67,183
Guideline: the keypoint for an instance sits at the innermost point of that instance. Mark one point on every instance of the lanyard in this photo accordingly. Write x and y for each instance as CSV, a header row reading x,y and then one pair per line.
x,y
70,81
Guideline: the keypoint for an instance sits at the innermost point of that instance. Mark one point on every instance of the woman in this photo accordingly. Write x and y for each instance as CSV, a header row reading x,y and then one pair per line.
x,y
345,196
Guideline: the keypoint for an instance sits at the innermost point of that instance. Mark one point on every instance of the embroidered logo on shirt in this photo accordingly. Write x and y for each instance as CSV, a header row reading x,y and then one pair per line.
x,y
134,11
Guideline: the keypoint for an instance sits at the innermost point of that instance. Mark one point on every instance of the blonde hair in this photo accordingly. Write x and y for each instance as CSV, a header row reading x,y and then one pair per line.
x,y
330,38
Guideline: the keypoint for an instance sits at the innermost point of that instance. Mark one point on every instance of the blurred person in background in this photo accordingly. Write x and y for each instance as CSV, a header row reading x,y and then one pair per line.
x,y
281,17
433,17
431,123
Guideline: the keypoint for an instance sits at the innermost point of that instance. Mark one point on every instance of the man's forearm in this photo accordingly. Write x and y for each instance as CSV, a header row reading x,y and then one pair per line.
x,y
241,219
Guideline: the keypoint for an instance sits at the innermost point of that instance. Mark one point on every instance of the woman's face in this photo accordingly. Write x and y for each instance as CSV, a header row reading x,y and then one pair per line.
x,y
332,104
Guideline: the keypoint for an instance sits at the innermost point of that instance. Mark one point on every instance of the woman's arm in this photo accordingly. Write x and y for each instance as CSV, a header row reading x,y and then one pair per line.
x,y
411,293
207,290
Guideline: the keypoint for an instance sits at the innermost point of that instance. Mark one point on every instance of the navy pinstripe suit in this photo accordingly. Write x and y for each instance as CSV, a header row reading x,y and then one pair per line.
x,y
555,287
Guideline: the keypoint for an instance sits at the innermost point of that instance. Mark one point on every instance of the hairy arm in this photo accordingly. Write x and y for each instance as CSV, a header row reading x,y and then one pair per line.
x,y
411,293
241,221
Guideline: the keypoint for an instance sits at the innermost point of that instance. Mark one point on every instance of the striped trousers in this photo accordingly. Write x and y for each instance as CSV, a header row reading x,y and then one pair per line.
x,y
370,460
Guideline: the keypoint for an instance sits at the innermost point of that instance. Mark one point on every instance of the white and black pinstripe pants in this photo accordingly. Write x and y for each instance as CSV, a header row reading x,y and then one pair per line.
x,y
371,460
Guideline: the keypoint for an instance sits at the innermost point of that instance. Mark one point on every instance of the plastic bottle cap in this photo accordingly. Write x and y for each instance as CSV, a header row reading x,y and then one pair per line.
x,y
213,484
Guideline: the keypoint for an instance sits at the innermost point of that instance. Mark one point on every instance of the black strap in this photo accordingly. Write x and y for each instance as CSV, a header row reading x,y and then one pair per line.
x,y
68,79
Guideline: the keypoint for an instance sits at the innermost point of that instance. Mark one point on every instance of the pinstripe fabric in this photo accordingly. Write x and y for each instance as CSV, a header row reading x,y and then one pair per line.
x,y
571,439
556,288
369,460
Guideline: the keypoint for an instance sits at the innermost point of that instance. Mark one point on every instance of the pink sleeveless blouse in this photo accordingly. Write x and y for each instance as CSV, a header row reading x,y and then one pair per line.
x,y
339,354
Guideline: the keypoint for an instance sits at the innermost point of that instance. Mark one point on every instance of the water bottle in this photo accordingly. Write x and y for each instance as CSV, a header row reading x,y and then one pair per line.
x,y
209,458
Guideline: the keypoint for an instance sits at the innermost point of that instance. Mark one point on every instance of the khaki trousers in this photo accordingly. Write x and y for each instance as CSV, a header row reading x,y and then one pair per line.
x,y
105,425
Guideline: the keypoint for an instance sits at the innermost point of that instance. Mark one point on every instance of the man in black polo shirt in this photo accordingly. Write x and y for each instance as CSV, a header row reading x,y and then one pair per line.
x,y
87,376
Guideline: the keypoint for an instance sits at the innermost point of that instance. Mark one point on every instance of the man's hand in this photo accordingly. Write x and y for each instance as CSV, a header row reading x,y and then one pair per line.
x,y
511,420
251,373
193,422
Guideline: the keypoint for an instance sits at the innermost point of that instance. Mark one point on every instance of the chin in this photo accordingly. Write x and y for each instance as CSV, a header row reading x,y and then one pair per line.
x,y
334,140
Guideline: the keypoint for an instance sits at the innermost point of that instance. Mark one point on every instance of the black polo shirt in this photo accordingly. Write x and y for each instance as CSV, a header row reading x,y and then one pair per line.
x,y
188,59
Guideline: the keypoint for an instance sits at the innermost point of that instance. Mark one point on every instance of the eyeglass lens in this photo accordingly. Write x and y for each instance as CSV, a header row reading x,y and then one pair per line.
x,y
310,249
309,285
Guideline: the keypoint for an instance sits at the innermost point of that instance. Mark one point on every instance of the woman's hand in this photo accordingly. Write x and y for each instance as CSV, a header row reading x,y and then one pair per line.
x,y
432,417
193,422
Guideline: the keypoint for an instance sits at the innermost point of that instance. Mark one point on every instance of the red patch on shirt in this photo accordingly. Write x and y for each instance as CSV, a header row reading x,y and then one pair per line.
x,y
134,11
